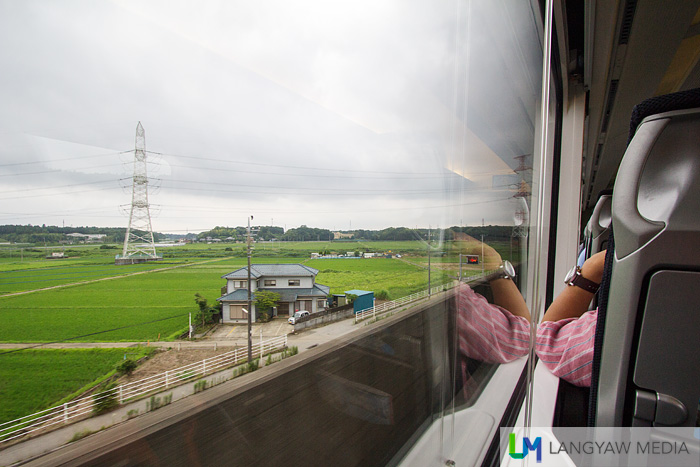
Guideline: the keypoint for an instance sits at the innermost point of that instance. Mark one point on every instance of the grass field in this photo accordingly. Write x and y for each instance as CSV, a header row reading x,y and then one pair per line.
x,y
151,305
144,307
38,274
396,277
156,305
24,376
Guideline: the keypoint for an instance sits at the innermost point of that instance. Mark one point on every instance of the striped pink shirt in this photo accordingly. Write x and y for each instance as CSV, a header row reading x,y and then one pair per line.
x,y
492,334
566,347
487,332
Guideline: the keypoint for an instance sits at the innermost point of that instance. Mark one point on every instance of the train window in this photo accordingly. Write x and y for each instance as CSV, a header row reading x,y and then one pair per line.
x,y
396,152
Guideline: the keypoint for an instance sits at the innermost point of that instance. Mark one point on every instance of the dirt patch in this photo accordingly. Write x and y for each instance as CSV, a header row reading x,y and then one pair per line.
x,y
171,359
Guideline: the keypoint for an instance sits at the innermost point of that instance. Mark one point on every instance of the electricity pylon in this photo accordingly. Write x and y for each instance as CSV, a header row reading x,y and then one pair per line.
x,y
138,242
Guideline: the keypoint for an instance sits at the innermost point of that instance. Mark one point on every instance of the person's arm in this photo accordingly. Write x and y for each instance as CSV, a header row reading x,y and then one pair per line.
x,y
507,295
505,292
573,301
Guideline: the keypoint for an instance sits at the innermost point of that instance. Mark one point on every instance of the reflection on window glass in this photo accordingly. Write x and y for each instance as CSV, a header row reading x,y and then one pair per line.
x,y
384,147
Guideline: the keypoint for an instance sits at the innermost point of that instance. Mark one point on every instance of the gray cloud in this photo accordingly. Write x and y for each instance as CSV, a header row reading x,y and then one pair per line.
x,y
313,113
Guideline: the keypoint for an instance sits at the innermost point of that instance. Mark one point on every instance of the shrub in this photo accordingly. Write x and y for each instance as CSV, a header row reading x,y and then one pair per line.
x,y
200,385
80,435
157,403
126,367
293,350
382,295
105,400
254,365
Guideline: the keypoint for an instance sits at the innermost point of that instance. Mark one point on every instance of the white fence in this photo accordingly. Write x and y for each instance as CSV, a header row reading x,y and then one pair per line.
x,y
373,311
81,408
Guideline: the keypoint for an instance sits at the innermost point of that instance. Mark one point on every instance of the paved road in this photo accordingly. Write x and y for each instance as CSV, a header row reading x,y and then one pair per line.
x,y
225,335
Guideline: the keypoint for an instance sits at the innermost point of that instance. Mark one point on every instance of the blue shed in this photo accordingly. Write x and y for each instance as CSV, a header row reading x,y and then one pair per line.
x,y
364,300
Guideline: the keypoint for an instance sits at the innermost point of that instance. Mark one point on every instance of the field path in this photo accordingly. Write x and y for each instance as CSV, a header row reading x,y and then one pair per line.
x,y
73,284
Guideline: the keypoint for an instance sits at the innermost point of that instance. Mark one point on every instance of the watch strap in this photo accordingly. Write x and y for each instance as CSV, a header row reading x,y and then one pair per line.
x,y
586,284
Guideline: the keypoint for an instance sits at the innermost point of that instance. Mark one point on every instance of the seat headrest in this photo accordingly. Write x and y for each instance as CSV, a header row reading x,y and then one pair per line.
x,y
682,100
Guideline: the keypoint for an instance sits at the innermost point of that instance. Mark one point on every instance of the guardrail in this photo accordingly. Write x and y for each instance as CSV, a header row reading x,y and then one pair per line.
x,y
373,311
84,407
387,306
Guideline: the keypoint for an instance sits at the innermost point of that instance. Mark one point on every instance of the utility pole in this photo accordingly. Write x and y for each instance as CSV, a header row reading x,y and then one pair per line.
x,y
250,309
482,254
428,261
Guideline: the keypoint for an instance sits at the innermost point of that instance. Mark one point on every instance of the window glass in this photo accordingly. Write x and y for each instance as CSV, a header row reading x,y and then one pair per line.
x,y
388,148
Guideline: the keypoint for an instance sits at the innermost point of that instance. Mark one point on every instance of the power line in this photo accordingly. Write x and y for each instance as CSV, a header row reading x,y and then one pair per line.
x,y
318,191
407,176
263,164
63,194
53,187
65,159
58,170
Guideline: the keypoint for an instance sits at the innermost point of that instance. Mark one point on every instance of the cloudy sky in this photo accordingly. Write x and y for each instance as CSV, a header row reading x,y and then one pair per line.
x,y
363,114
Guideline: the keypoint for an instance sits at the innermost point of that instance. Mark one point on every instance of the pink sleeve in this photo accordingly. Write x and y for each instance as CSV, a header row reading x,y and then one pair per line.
x,y
566,347
487,332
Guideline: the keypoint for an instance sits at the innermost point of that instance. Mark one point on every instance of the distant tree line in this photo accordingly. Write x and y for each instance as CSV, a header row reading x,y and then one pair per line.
x,y
501,232
52,234
239,233
305,233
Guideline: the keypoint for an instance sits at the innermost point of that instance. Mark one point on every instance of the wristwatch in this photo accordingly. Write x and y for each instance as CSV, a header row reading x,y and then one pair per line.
x,y
504,271
574,277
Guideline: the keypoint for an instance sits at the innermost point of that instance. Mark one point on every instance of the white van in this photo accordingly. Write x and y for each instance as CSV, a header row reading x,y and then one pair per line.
x,y
297,315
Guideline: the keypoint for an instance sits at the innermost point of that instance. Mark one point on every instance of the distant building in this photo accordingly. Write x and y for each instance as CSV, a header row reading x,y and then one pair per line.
x,y
364,299
341,235
86,238
295,283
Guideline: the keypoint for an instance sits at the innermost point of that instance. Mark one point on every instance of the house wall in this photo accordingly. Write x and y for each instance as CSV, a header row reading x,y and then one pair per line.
x,y
314,302
231,285
226,313
282,282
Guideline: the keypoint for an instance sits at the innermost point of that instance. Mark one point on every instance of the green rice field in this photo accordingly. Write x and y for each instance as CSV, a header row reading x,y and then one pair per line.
x,y
24,375
86,298
155,305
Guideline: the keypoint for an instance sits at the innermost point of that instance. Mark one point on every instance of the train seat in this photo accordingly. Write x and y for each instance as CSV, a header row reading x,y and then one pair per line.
x,y
647,353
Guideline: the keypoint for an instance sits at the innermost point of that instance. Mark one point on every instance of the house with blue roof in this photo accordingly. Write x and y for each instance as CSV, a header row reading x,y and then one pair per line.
x,y
295,283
